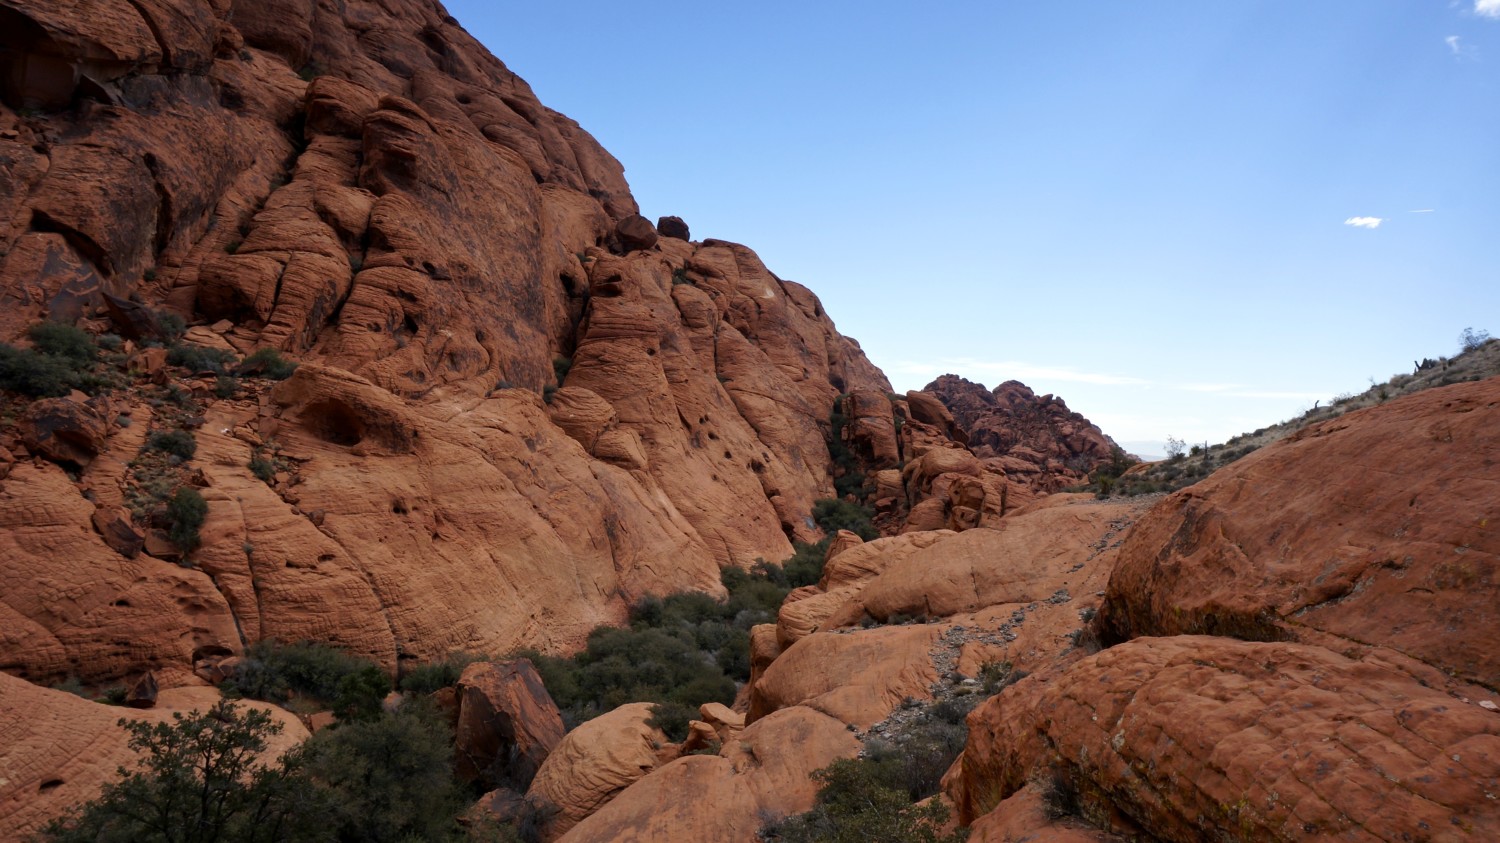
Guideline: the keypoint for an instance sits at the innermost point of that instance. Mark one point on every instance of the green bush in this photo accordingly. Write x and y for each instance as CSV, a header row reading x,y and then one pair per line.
x,y
186,512
64,342
199,780
169,326
263,469
353,687
389,777
434,676
561,366
203,778
196,358
834,515
226,386
684,649
805,566
862,801
33,374
672,718
269,363
178,443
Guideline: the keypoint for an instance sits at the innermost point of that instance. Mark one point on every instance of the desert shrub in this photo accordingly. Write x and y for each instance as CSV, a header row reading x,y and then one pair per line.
x,y
178,443
351,686
672,718
805,565
833,515
202,778
434,676
31,373
389,777
226,386
561,366
199,781
263,469
684,649
1472,340
169,326
186,512
64,342
268,363
196,358
862,801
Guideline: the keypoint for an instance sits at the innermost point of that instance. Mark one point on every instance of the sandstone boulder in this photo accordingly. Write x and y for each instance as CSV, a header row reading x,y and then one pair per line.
x,y
594,763
673,227
635,233
507,722
1374,528
762,777
65,430
1190,737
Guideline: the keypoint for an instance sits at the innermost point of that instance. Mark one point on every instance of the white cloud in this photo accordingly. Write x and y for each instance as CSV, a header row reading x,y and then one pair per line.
x,y
1459,49
1368,222
1487,8
1422,211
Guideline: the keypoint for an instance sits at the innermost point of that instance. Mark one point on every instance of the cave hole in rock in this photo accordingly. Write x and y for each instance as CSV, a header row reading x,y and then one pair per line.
x,y
334,421
49,785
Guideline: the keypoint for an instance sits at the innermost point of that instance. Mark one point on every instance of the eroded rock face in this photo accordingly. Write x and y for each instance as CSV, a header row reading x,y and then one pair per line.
x,y
369,191
1374,529
1182,737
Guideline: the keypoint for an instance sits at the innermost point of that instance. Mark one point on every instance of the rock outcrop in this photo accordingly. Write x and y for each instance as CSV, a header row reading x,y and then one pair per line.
x,y
366,189
1036,438
507,723
1303,649
1374,530
1176,737
763,776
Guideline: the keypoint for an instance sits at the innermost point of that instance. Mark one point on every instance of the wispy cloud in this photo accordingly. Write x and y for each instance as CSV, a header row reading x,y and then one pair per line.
x,y
1459,49
1422,211
1369,222
1487,8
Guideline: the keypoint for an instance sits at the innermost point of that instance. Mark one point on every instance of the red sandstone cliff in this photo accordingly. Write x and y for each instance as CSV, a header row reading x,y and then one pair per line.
x,y
362,186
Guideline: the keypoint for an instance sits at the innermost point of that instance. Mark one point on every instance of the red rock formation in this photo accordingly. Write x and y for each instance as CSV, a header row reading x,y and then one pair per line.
x,y
1036,438
507,722
594,763
1188,738
1355,557
1375,529
763,776
365,188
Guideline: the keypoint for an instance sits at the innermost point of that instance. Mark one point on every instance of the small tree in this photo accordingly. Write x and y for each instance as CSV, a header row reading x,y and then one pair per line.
x,y
1175,447
200,781
1472,340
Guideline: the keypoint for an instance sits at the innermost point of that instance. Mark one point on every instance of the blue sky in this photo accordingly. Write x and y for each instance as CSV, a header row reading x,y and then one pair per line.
x,y
1147,208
